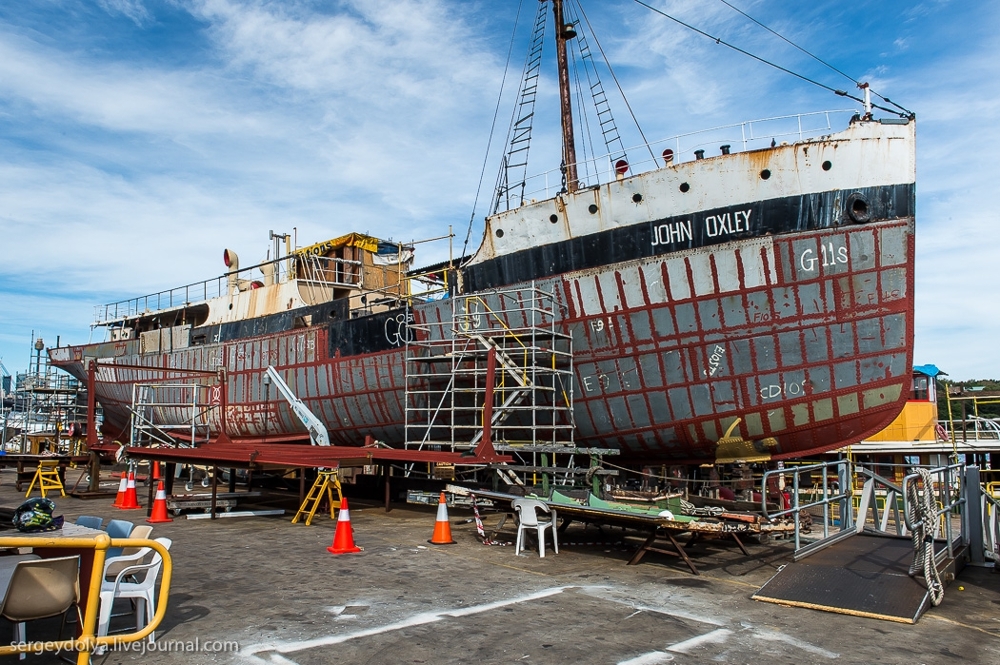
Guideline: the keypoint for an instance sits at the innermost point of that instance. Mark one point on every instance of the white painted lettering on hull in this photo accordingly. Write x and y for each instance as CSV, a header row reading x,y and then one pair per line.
x,y
715,359
829,255
667,234
727,224
787,390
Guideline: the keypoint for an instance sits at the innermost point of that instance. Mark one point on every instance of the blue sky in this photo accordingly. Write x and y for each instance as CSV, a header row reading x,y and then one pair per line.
x,y
138,138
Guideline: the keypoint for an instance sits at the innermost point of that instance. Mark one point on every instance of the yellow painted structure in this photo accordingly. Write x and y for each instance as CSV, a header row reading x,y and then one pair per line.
x,y
916,422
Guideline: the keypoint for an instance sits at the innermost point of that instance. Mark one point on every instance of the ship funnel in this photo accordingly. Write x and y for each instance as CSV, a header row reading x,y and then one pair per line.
x,y
270,271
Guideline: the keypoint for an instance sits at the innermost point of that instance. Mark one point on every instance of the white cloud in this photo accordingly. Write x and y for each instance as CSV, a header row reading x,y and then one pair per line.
x,y
126,175
59,87
134,10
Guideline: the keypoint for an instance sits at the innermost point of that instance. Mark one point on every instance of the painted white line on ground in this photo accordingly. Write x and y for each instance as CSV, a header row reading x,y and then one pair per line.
x,y
651,658
236,513
477,609
608,593
774,636
415,620
718,635
281,660
674,612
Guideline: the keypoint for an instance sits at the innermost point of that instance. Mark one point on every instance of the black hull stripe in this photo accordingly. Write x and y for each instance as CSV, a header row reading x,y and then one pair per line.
x,y
805,212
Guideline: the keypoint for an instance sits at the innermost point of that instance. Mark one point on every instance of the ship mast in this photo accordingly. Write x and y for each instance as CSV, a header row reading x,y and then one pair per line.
x,y
563,33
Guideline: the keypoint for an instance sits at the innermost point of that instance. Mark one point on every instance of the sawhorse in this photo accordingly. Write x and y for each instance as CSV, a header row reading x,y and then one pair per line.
x,y
678,551
326,481
47,477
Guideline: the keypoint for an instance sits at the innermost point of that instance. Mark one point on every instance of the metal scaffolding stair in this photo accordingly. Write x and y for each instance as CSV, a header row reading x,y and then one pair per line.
x,y
498,366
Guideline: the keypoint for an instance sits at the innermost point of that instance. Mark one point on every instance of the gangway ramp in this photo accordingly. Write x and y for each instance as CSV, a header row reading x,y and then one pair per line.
x,y
861,564
864,575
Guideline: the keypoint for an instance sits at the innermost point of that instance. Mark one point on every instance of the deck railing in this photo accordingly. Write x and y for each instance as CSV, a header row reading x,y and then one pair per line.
x,y
740,136
311,269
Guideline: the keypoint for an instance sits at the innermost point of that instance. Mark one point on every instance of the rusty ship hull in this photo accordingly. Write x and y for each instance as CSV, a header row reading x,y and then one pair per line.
x,y
762,298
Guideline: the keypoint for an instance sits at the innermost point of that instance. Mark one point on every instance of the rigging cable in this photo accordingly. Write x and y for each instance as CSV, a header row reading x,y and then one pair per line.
x,y
493,125
719,40
584,120
615,79
811,55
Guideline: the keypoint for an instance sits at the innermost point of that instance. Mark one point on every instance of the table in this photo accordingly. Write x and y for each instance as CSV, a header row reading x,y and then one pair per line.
x,y
657,527
91,545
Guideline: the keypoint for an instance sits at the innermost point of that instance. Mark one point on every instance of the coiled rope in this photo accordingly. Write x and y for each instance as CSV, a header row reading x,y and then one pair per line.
x,y
922,513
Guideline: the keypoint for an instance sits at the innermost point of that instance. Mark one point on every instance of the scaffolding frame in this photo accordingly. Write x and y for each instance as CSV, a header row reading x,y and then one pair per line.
x,y
511,335
149,427
46,403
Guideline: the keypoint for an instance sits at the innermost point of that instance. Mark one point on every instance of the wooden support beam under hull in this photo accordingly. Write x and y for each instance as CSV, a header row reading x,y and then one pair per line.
x,y
247,455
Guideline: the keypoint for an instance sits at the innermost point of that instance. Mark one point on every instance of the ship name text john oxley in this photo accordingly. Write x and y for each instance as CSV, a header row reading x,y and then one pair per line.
x,y
723,224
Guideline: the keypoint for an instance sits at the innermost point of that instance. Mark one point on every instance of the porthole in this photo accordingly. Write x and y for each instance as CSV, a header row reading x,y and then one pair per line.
x,y
499,233
765,174
637,197
230,305
553,218
827,165
685,187
592,208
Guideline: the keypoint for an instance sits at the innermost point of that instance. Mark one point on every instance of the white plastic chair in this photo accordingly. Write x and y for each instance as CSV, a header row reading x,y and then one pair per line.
x,y
129,556
143,590
527,511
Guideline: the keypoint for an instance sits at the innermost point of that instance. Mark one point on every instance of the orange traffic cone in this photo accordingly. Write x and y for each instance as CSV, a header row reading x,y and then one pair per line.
x,y
159,513
343,538
120,498
442,527
131,501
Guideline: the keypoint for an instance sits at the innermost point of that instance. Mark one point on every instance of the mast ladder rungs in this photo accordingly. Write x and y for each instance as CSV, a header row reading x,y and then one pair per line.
x,y
323,488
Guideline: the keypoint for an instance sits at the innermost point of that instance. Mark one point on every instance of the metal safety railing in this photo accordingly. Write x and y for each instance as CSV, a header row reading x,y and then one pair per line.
x,y
748,135
310,269
88,641
880,505
991,527
826,496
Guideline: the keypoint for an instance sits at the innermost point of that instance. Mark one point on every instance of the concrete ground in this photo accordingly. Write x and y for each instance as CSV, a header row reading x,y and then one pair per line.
x,y
271,590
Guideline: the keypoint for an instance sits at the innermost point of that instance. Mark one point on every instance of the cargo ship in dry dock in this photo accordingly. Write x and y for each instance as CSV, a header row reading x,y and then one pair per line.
x,y
749,305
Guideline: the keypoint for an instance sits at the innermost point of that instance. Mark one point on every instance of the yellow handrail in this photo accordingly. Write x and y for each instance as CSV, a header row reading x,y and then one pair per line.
x,y
88,641
517,338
